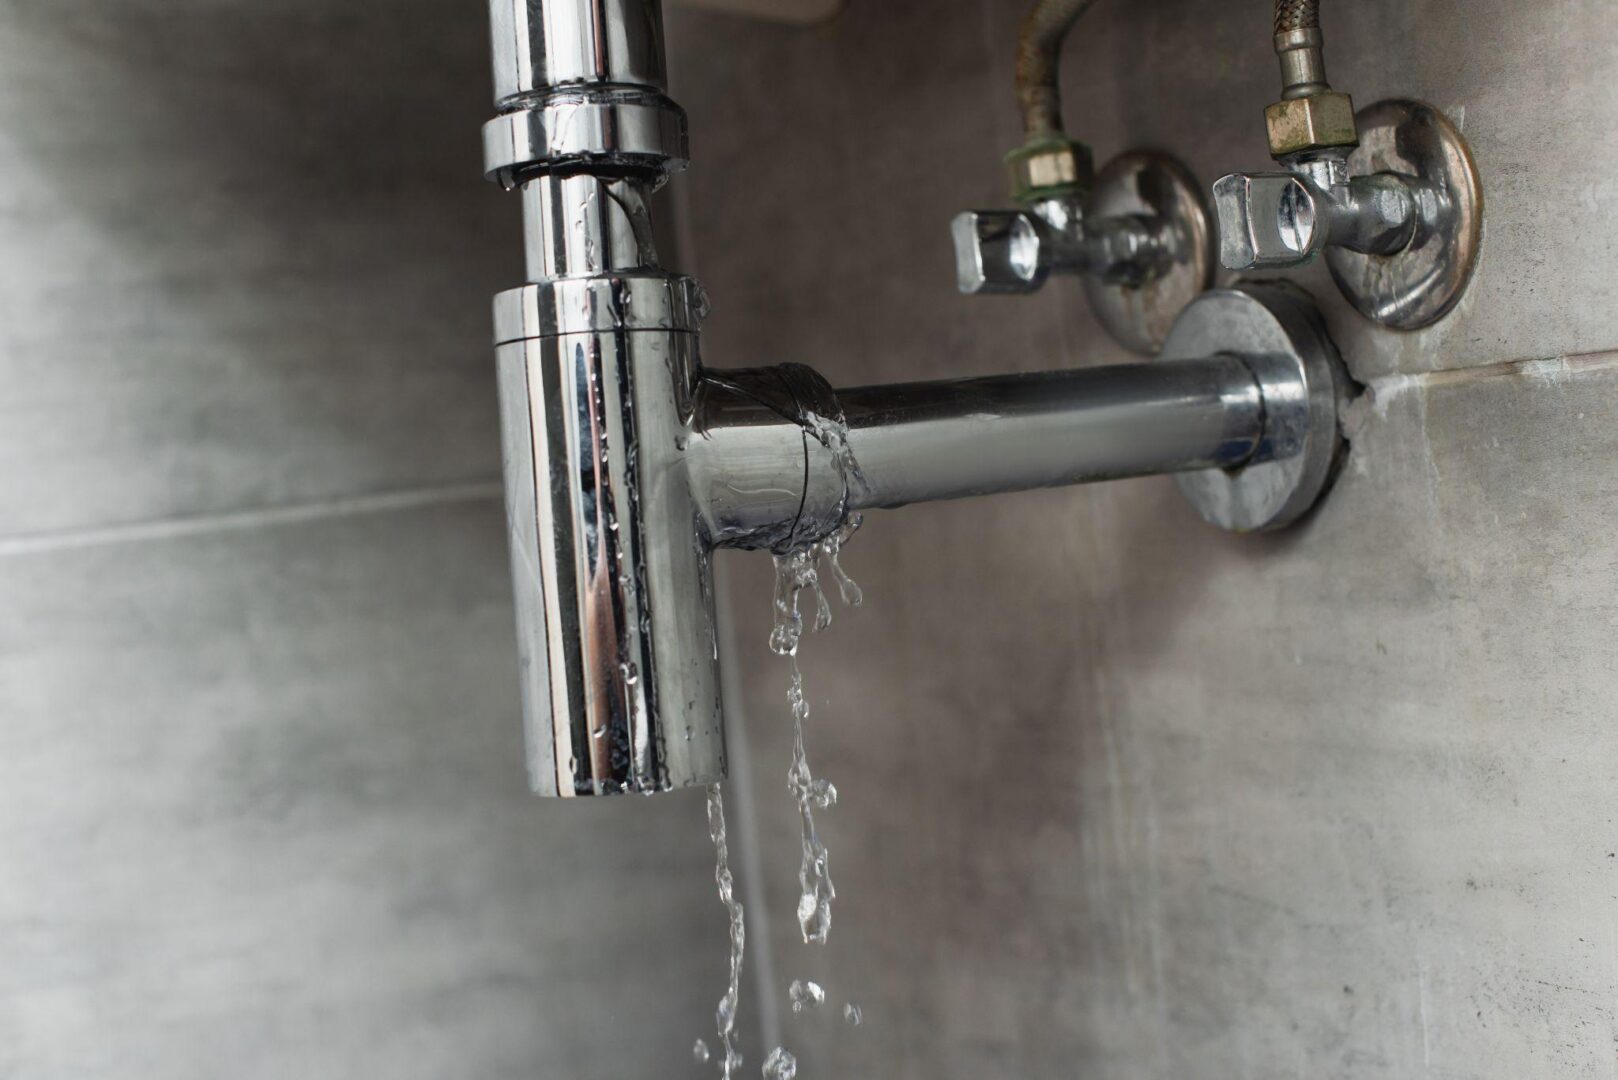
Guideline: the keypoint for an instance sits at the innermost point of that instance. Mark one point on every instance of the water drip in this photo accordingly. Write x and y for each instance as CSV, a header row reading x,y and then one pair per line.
x,y
780,1065
805,993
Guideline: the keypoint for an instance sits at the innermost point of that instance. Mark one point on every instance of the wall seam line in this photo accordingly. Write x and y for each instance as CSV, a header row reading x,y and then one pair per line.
x,y
264,517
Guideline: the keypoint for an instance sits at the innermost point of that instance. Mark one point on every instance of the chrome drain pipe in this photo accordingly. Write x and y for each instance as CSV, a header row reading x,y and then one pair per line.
x,y
766,477
627,462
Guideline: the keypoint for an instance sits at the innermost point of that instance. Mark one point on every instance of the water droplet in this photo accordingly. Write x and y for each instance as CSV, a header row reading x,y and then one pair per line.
x,y
699,1053
851,1013
824,794
806,909
805,993
832,546
780,1065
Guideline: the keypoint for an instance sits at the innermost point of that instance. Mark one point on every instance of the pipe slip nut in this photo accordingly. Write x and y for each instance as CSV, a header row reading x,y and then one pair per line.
x,y
619,130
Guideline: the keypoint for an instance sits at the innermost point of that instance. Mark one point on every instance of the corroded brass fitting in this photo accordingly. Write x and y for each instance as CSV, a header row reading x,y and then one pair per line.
x,y
1050,167
1317,122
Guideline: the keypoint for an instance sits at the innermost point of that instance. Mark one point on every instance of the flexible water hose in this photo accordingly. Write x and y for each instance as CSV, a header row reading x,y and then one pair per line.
x,y
1299,46
1296,15
1039,52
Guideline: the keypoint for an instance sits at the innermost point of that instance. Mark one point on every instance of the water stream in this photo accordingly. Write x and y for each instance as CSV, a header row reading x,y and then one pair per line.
x,y
725,1015
795,571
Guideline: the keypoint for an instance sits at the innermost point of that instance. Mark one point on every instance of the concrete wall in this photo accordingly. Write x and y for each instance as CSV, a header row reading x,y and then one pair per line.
x,y
264,811
1123,796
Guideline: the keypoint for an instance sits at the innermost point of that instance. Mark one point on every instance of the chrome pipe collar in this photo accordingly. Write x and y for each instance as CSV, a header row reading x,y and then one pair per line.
x,y
579,85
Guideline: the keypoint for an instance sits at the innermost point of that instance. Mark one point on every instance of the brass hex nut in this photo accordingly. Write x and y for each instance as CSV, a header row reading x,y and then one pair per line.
x,y
1311,123
1052,167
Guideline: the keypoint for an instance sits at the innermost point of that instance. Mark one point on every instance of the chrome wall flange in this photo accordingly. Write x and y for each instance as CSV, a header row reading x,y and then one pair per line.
x,y
1149,185
1304,385
1419,285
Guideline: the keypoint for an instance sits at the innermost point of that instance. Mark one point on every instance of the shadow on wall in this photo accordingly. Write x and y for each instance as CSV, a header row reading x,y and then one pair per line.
x,y
265,231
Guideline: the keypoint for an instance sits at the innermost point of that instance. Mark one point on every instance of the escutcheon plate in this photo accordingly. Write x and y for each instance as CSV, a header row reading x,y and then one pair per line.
x,y
1276,330
1146,182
1419,285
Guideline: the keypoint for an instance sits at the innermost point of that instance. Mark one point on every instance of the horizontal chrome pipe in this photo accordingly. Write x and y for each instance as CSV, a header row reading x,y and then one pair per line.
x,y
765,465
917,442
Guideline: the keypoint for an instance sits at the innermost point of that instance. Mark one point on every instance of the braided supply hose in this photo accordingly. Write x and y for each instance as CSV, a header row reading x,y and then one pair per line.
x,y
1299,46
1296,15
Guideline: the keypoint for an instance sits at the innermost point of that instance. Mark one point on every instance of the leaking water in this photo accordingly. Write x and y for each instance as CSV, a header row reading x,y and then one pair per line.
x,y
852,1013
699,1053
780,1065
725,1015
805,993
794,572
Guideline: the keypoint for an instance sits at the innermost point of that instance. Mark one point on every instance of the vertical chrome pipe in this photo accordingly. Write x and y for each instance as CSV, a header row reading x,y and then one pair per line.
x,y
597,361
542,45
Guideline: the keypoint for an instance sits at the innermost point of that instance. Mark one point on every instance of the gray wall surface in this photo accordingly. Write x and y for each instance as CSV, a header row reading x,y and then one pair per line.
x,y
264,811
1124,797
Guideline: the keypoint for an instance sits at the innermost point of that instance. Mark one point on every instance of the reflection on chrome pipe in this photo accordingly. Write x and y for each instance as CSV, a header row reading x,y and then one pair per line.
x,y
613,588
916,442
586,226
540,46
